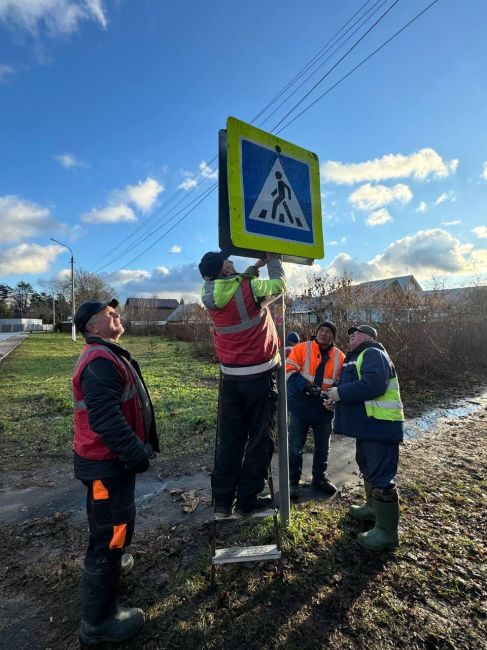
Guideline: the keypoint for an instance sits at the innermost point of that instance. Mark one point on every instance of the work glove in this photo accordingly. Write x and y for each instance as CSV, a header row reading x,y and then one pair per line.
x,y
333,394
313,390
139,467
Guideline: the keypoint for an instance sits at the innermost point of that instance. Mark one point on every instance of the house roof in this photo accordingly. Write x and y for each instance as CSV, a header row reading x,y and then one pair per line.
x,y
152,303
184,311
403,282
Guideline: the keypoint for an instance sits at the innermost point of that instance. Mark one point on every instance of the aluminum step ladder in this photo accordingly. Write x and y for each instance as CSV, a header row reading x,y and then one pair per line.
x,y
236,554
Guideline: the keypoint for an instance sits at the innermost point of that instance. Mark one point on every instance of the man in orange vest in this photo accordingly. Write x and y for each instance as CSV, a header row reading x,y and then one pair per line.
x,y
247,347
114,437
312,367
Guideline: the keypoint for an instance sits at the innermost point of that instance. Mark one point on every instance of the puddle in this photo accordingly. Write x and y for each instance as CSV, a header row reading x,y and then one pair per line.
x,y
432,419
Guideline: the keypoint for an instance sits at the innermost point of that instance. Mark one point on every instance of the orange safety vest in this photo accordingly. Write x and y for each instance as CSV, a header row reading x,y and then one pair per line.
x,y
305,359
87,443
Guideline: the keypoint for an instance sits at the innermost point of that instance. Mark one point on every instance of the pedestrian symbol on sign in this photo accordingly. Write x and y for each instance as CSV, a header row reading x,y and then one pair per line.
x,y
277,202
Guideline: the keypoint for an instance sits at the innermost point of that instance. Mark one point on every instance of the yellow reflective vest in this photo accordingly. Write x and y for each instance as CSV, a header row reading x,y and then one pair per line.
x,y
387,406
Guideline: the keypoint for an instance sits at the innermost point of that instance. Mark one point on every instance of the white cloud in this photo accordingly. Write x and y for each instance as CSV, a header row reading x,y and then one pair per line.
x,y
206,171
378,218
422,207
20,219
337,242
6,71
175,249
371,197
27,259
69,160
480,231
110,214
455,222
188,184
484,171
191,179
142,196
429,252
164,282
420,165
446,196
57,17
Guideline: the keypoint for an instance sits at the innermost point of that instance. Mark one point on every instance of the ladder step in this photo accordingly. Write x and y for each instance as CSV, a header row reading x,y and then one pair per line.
x,y
246,554
270,512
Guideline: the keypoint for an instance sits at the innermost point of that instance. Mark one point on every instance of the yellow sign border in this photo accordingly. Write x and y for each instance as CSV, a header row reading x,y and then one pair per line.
x,y
236,130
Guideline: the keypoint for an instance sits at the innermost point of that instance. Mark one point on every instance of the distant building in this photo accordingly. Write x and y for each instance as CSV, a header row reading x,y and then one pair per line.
x,y
24,325
149,310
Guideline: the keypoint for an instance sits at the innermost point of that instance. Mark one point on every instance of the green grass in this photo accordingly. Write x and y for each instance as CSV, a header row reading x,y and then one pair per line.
x,y
36,403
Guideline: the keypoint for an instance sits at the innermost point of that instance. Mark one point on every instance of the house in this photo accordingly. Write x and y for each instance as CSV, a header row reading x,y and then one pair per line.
x,y
188,314
365,301
149,310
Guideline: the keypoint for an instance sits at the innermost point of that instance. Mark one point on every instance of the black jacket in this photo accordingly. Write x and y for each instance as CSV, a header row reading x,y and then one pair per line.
x,y
102,388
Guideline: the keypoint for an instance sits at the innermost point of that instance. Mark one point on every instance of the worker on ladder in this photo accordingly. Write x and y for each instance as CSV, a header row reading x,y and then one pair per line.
x,y
247,346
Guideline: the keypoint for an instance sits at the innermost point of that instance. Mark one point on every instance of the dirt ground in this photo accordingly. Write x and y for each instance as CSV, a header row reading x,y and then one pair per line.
x,y
43,534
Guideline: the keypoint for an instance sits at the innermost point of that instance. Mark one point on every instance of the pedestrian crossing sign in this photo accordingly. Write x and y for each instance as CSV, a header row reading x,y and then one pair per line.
x,y
273,194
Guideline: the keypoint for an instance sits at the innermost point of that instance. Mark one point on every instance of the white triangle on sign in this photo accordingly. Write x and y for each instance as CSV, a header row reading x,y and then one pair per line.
x,y
277,202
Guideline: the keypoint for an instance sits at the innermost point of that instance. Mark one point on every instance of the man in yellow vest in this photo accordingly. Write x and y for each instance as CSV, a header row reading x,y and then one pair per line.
x,y
368,407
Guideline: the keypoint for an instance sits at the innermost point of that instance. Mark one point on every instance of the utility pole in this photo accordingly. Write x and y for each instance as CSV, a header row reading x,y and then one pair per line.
x,y
284,504
73,326
53,312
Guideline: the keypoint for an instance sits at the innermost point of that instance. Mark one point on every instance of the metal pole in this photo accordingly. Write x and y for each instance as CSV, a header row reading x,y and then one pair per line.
x,y
53,312
73,326
284,503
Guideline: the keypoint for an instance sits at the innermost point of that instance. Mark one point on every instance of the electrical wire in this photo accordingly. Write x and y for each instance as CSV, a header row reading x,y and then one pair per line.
x,y
207,192
144,226
359,65
298,87
336,64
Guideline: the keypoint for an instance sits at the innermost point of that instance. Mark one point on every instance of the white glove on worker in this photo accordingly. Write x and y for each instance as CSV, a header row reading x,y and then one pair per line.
x,y
333,394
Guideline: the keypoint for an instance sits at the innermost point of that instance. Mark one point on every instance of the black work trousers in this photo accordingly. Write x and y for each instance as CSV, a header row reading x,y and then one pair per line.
x,y
110,505
245,439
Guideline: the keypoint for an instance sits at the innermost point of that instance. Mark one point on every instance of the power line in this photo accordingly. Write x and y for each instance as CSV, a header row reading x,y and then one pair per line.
x,y
206,194
145,224
362,21
309,65
358,66
336,64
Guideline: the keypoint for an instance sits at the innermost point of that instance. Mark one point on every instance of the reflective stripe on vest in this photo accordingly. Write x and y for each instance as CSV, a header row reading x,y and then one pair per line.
x,y
246,322
241,371
306,372
387,406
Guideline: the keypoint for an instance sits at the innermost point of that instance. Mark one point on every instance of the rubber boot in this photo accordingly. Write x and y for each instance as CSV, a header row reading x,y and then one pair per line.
x,y
102,618
366,511
384,535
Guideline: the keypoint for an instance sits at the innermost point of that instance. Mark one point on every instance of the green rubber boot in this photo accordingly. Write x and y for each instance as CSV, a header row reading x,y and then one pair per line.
x,y
384,536
366,511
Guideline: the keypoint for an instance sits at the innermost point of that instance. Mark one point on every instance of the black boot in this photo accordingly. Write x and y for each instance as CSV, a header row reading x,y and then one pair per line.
x,y
102,618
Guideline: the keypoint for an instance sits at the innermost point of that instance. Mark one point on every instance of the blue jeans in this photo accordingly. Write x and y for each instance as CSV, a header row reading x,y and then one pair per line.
x,y
378,462
298,432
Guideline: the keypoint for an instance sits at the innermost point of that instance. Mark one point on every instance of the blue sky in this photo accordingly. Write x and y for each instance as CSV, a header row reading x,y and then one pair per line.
x,y
109,109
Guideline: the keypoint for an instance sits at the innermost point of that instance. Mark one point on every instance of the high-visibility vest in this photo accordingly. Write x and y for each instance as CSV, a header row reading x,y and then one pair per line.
x,y
244,334
305,359
87,443
387,406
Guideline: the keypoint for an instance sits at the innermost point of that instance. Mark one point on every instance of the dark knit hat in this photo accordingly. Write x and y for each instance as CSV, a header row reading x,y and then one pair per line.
x,y
88,309
292,338
212,262
365,329
330,326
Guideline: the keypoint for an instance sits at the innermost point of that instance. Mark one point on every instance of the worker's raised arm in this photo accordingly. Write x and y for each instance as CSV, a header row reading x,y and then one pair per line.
x,y
266,291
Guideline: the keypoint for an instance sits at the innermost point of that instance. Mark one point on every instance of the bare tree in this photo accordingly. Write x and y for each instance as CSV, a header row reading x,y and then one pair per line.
x,y
87,286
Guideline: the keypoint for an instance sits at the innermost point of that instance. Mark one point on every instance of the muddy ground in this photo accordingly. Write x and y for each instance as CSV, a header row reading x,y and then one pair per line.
x,y
43,533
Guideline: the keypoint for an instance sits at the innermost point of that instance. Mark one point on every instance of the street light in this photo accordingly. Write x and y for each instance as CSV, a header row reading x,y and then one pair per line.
x,y
73,326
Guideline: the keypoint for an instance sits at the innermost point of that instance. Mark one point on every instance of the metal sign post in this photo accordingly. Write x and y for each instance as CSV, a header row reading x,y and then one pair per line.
x,y
284,503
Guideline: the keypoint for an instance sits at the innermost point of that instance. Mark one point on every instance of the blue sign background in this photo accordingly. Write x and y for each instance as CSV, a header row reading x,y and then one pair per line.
x,y
257,162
